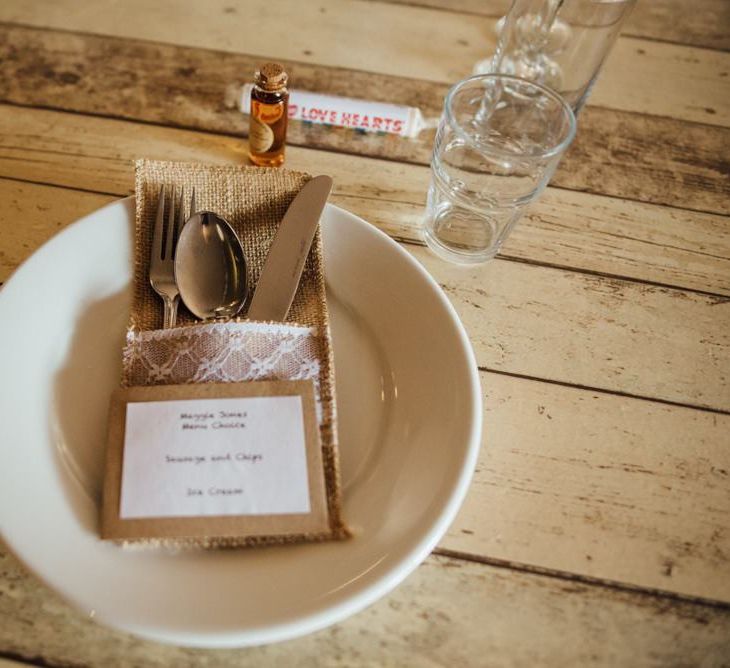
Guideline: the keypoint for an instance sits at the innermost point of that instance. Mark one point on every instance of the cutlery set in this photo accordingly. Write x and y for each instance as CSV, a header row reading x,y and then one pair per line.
x,y
200,259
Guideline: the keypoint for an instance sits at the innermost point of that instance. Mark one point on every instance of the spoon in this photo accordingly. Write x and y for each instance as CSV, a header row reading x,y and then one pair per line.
x,y
210,267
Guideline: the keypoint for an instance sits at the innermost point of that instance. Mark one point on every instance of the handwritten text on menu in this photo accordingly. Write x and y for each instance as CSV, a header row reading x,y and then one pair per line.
x,y
212,457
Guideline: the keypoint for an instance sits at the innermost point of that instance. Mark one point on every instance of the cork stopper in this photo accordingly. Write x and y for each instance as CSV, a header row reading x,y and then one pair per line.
x,y
271,76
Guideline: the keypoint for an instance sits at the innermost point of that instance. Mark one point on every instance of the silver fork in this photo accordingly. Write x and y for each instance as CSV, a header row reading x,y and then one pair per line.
x,y
162,257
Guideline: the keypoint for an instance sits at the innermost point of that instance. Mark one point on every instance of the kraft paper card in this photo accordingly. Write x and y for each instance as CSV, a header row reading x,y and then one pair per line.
x,y
214,461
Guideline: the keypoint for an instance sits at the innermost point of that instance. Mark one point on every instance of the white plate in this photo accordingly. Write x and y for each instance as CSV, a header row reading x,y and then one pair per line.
x,y
410,423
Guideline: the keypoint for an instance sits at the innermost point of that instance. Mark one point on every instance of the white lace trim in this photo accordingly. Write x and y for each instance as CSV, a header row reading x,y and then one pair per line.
x,y
224,353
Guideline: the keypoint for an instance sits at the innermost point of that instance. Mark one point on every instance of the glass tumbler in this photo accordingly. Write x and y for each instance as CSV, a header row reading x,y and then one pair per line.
x,y
499,141
558,43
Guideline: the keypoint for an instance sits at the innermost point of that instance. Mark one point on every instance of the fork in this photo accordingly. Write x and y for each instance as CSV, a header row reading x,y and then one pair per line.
x,y
162,257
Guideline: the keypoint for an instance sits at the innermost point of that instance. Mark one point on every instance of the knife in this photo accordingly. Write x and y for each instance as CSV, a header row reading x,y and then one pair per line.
x,y
284,264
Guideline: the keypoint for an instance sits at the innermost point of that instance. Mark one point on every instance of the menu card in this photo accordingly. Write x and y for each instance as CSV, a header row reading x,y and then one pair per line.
x,y
212,461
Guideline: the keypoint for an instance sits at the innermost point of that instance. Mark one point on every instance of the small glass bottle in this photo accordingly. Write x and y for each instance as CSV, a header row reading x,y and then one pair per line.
x,y
269,116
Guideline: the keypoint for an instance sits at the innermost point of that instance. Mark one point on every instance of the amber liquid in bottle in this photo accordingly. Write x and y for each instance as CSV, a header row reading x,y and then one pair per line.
x,y
267,129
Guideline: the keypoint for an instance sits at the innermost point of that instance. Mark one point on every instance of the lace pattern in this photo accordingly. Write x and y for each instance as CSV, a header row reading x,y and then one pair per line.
x,y
223,353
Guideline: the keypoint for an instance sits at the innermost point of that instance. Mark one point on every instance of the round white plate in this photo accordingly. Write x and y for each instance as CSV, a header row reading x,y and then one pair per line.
x,y
410,423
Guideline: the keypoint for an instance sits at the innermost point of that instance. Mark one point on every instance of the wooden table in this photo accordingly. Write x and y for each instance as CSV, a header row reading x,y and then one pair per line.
x,y
597,527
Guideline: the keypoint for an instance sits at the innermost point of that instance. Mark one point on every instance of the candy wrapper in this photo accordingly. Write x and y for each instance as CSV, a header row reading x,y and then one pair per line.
x,y
350,113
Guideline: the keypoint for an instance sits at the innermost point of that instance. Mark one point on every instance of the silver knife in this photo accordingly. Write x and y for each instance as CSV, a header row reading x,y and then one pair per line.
x,y
284,264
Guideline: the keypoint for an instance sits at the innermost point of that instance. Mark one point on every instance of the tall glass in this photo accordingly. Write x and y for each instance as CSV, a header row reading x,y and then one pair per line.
x,y
499,141
558,43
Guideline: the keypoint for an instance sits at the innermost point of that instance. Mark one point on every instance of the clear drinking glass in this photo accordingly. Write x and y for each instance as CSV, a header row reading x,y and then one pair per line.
x,y
499,141
558,43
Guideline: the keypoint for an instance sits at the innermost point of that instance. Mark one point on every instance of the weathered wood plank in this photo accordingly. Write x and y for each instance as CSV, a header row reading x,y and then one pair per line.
x,y
32,215
421,623
702,23
568,229
580,329
649,159
694,87
570,479
639,76
593,331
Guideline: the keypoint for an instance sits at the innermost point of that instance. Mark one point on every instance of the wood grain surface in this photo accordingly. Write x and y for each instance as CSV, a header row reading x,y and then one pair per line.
x,y
597,519
424,623
698,24
430,45
569,229
632,156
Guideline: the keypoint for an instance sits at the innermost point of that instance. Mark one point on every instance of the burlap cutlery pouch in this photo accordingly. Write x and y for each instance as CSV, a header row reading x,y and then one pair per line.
x,y
254,201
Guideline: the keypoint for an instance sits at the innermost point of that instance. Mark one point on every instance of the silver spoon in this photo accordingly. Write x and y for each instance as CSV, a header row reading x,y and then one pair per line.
x,y
210,267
